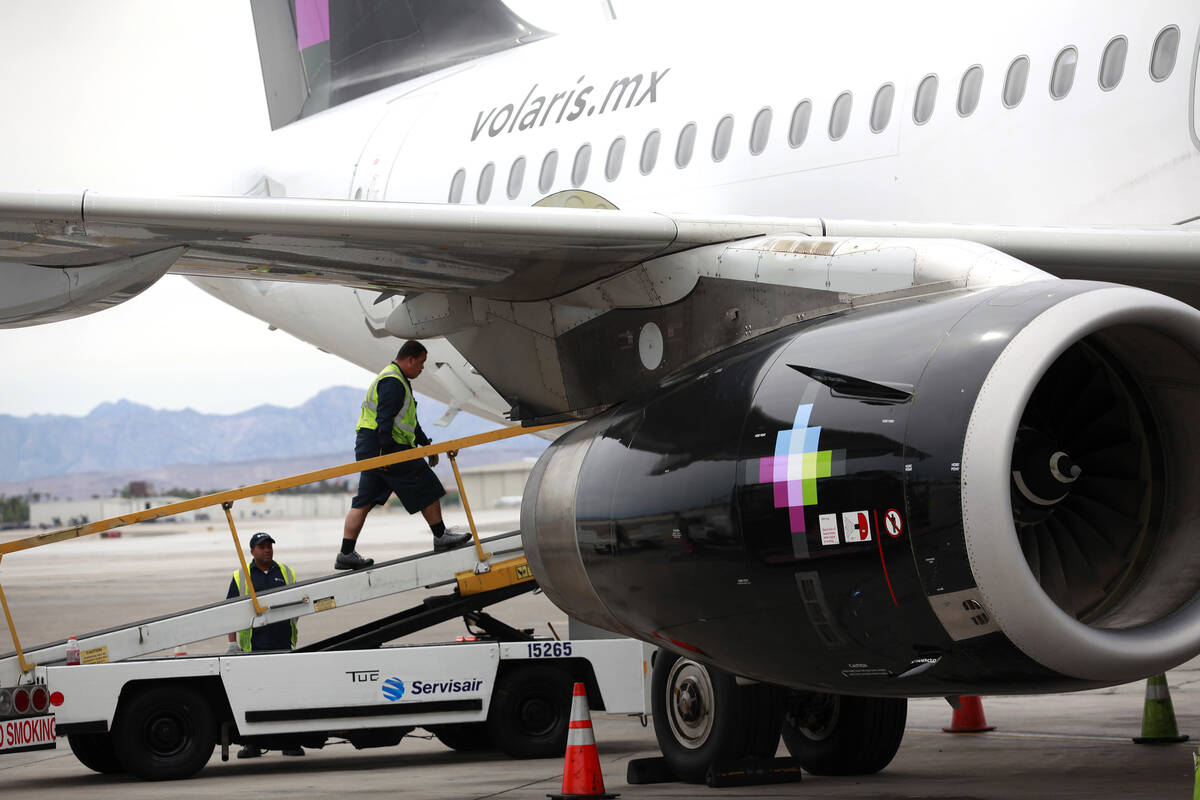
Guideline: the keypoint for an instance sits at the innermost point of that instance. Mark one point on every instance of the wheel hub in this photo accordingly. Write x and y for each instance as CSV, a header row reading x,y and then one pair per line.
x,y
690,703
537,715
166,735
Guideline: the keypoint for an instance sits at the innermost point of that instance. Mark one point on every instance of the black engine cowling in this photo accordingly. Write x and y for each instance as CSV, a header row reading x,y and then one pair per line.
x,y
985,491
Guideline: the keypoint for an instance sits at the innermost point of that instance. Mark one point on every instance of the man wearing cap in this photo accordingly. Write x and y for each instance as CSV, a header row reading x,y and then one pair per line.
x,y
388,424
265,573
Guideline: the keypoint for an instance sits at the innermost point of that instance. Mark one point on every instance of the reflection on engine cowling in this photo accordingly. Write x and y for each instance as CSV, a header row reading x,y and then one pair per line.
x,y
984,491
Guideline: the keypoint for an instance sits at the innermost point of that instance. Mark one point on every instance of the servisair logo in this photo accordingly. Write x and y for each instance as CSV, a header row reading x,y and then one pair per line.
x,y
581,100
393,688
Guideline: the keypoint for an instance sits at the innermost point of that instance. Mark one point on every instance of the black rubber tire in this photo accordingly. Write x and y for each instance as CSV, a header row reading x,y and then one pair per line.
x,y
164,732
722,722
844,735
465,736
95,751
531,711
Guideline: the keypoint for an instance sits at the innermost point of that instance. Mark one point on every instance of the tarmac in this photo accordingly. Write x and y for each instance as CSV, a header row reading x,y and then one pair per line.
x,y
1069,746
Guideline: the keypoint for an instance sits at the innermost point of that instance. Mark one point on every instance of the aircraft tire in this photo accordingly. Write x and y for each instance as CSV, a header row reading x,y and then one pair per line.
x,y
164,732
702,716
531,711
830,734
464,736
95,751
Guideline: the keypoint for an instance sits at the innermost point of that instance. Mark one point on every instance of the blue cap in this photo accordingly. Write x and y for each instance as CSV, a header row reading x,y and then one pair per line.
x,y
259,538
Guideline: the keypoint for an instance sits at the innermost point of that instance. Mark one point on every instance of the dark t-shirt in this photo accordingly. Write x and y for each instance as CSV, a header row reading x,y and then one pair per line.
x,y
277,635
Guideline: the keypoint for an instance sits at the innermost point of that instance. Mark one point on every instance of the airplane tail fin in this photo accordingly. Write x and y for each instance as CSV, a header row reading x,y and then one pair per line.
x,y
316,54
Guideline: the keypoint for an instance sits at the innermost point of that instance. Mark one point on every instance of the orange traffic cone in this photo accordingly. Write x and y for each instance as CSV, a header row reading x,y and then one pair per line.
x,y
581,766
968,717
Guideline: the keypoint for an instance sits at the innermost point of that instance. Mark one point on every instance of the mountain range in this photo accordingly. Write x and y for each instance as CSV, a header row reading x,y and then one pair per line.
x,y
125,441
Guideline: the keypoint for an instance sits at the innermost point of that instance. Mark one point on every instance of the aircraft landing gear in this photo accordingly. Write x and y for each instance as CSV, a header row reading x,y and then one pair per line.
x,y
833,734
703,717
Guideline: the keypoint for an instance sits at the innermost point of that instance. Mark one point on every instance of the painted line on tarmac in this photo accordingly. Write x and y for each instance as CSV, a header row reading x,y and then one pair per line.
x,y
1068,737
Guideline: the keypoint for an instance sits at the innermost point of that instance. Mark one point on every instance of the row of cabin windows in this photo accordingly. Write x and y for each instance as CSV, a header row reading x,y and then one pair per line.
x,y
1062,78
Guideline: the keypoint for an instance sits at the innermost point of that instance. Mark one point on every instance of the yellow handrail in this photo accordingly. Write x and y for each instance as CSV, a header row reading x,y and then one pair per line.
x,y
237,547
229,496
225,500
462,495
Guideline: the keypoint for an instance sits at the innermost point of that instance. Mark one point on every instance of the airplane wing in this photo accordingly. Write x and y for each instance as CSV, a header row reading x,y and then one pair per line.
x,y
59,252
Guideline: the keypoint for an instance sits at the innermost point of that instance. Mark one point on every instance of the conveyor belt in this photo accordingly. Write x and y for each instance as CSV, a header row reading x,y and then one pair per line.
x,y
297,600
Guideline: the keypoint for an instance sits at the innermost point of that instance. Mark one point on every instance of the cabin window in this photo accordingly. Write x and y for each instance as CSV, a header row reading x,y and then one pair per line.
x,y
484,190
549,170
839,117
969,90
616,157
1062,77
579,171
1015,80
516,177
1112,63
760,131
881,107
925,100
685,146
650,152
1166,51
722,137
798,129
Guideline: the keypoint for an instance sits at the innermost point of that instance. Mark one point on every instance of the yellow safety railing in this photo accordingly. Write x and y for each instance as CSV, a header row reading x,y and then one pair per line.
x,y
227,498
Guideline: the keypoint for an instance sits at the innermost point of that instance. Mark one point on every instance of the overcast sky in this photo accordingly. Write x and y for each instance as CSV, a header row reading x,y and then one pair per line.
x,y
140,97
150,96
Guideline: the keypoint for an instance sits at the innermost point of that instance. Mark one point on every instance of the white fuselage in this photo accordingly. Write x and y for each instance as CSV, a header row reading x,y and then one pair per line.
x,y
1127,153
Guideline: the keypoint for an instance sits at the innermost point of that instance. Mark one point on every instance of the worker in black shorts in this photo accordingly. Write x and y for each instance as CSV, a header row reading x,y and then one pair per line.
x,y
388,424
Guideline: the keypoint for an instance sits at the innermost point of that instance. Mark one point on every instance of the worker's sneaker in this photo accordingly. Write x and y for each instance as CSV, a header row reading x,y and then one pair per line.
x,y
351,560
451,539
249,751
292,751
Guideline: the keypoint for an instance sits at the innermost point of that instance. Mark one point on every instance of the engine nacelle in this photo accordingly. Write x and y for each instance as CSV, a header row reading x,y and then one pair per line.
x,y
983,491
51,289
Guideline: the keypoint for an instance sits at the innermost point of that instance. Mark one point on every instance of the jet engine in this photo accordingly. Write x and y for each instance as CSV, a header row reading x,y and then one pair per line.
x,y
51,288
973,492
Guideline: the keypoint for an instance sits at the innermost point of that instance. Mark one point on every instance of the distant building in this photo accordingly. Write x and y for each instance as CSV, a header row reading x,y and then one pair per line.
x,y
496,485
68,513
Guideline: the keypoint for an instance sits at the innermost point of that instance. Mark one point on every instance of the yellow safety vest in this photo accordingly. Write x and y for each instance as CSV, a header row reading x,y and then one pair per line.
x,y
404,429
288,578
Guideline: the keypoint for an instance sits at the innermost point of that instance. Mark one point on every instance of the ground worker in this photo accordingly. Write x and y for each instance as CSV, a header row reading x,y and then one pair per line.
x,y
388,424
265,573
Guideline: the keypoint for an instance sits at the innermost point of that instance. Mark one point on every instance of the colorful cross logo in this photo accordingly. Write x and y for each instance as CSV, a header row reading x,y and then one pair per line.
x,y
795,467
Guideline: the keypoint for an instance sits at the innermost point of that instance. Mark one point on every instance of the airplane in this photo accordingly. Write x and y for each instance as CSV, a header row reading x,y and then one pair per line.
x,y
879,325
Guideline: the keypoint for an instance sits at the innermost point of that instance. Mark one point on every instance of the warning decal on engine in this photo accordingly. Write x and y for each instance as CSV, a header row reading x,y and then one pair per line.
x,y
829,529
856,527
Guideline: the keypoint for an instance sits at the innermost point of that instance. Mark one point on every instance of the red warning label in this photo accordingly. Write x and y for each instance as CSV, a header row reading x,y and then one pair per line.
x,y
856,527
892,523
27,733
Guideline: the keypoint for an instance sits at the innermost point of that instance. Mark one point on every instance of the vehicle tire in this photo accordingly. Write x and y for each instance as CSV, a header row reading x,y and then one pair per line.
x,y
95,751
465,736
702,716
832,734
164,732
531,711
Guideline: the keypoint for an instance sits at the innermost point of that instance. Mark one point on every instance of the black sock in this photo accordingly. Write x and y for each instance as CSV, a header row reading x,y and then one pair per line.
x,y
348,546
438,528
